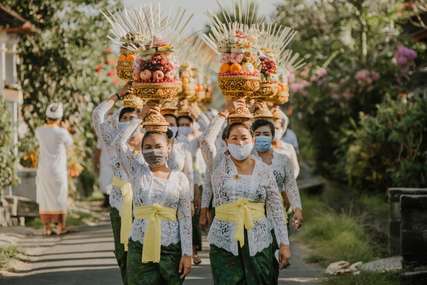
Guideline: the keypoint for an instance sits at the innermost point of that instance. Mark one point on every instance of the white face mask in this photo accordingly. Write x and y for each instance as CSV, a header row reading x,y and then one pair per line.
x,y
184,131
240,152
123,125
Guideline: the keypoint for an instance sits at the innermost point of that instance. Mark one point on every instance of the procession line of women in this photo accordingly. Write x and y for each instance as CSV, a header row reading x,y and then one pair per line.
x,y
164,180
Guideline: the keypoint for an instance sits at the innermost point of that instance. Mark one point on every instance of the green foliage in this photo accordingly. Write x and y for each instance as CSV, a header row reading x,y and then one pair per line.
x,y
351,47
6,254
337,237
390,149
66,61
7,157
341,224
364,279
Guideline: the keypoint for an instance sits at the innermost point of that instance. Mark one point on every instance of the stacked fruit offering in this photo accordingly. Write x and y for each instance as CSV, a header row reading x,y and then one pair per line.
x,y
126,59
268,67
155,64
237,57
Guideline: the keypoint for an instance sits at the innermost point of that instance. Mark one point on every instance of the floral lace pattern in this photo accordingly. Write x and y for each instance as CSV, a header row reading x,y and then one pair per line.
x,y
148,189
107,131
180,159
288,150
229,186
284,174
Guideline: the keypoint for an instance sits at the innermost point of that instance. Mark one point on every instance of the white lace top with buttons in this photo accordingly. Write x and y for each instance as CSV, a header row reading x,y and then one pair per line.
x,y
284,174
228,186
107,131
211,144
288,150
180,159
173,192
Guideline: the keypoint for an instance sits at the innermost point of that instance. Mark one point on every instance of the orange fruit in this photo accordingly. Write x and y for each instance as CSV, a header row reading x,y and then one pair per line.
x,y
236,68
130,57
122,57
225,67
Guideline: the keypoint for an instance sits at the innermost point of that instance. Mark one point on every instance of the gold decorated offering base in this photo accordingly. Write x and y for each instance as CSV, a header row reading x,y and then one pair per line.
x,y
282,95
155,122
266,89
156,91
184,113
262,111
238,86
133,101
276,114
279,99
240,115
169,107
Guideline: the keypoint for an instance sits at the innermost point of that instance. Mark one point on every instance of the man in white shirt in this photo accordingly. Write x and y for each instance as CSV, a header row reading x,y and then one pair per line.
x,y
52,174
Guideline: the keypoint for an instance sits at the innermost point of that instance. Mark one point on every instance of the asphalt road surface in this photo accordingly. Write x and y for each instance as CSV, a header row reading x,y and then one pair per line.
x,y
86,257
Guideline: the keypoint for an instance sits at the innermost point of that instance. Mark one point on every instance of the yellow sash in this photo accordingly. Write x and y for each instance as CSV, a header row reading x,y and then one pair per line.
x,y
126,209
153,215
243,214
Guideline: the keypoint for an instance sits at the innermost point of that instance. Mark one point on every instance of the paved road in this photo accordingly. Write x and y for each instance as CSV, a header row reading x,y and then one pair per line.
x,y
86,257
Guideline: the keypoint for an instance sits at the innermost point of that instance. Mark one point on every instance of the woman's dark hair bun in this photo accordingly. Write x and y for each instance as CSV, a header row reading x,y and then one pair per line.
x,y
261,123
169,133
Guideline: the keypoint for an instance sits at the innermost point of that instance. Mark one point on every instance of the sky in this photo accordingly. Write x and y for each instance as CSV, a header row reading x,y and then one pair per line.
x,y
199,8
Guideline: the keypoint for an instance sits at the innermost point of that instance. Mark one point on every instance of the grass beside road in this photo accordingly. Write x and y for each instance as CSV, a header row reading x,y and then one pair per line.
x,y
6,254
341,224
333,236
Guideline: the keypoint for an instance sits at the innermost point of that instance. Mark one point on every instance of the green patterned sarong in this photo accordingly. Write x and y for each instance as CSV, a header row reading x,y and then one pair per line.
x,y
163,273
119,250
197,232
261,269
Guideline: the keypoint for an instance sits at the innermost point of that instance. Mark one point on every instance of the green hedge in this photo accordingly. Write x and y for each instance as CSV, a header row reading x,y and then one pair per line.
x,y
390,149
7,157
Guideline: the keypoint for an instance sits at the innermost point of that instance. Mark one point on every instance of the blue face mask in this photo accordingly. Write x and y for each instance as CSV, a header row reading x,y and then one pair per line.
x,y
263,143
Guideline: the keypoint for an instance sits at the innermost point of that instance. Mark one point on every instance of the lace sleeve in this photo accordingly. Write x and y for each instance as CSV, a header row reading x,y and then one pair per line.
x,y
103,128
290,186
203,121
128,160
207,190
188,171
275,210
207,146
294,159
184,217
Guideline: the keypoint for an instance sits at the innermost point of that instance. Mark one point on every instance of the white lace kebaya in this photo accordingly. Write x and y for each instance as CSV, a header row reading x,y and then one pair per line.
x,y
173,192
229,186
180,159
107,131
284,175
288,150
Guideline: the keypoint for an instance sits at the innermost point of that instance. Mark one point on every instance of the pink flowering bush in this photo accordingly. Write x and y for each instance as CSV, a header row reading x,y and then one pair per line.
x,y
366,77
404,56
350,70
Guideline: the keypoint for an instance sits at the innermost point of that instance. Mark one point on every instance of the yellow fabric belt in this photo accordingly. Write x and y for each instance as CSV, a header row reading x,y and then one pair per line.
x,y
126,209
243,214
153,215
